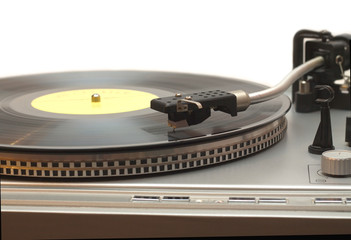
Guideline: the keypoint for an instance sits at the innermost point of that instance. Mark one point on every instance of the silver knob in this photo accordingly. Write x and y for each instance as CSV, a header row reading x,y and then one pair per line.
x,y
336,163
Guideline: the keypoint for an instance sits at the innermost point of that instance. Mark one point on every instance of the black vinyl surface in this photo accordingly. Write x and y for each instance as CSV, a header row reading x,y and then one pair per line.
x,y
23,127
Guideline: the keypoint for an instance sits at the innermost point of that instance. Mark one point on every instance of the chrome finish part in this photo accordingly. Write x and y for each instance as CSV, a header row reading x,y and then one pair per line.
x,y
272,200
328,201
145,198
145,162
304,87
242,100
198,105
242,200
336,162
294,75
175,199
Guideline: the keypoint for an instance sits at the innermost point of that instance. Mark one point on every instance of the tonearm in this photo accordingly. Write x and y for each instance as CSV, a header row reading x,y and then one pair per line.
x,y
319,59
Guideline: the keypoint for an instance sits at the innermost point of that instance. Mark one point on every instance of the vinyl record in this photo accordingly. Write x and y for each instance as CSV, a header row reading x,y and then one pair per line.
x,y
44,115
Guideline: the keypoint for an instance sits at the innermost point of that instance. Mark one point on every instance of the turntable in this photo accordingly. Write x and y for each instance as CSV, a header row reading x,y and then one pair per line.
x,y
85,148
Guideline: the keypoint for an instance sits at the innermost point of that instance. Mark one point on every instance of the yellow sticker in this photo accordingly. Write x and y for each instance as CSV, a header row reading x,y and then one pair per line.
x,y
94,101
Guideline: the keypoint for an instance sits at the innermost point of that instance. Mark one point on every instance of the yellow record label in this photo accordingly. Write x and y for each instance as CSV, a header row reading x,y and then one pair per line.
x,y
94,101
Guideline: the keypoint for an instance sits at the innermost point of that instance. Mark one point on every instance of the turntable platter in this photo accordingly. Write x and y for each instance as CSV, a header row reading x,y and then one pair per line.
x,y
22,125
33,133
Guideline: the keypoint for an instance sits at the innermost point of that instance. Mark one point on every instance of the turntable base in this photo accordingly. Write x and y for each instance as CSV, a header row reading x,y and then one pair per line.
x,y
279,191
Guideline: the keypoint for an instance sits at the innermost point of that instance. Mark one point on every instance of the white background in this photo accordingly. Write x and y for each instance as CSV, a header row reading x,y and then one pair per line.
x,y
241,39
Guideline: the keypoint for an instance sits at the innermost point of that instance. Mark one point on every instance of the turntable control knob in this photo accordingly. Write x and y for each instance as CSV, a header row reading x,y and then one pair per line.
x,y
336,163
